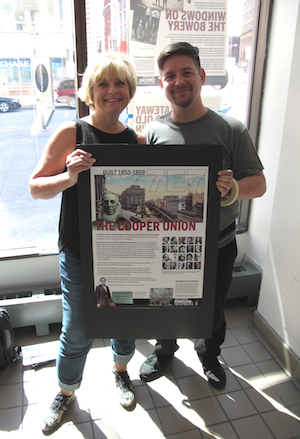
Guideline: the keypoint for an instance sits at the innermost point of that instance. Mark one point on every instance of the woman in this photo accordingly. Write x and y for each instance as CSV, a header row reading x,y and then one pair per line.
x,y
107,87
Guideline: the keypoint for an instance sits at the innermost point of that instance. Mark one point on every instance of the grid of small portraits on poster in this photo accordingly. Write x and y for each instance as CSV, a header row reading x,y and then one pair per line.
x,y
181,253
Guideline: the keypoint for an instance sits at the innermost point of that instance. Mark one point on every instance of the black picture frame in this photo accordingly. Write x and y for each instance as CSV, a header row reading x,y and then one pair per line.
x,y
151,322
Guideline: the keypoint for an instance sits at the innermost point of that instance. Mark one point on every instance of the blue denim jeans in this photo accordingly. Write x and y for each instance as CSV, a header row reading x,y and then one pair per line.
x,y
123,350
74,346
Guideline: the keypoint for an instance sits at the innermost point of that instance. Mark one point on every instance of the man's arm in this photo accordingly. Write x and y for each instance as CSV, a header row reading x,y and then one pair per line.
x,y
249,187
252,187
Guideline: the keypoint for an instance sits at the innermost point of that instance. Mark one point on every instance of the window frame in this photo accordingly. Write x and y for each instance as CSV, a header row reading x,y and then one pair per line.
x,y
255,95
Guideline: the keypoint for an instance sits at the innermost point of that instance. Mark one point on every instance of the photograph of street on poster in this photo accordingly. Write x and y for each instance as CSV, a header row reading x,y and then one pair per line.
x,y
148,234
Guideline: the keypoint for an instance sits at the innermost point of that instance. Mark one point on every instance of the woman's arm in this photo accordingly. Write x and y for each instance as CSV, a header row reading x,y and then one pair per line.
x,y
60,164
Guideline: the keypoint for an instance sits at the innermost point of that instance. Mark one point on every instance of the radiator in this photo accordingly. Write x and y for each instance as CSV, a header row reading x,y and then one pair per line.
x,y
41,305
37,307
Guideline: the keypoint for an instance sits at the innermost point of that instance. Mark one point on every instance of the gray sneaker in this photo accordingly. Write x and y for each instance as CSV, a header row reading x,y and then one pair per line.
x,y
125,389
58,407
153,366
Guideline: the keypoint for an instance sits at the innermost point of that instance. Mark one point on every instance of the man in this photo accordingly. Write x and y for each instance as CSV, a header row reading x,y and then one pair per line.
x,y
111,209
103,296
166,257
181,78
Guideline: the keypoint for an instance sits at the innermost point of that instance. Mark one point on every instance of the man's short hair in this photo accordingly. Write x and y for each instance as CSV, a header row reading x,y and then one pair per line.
x,y
101,278
181,48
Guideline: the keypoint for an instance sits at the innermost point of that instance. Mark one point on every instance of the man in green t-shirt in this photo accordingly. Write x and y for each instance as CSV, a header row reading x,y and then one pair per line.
x,y
190,122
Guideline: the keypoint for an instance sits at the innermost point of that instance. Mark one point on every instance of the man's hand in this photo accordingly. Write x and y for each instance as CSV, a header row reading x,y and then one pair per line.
x,y
224,182
249,187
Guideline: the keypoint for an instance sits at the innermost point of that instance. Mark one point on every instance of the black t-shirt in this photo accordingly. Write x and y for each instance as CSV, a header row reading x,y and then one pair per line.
x,y
86,134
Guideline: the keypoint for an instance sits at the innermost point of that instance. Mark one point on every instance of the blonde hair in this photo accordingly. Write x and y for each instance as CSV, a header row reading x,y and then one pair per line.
x,y
105,67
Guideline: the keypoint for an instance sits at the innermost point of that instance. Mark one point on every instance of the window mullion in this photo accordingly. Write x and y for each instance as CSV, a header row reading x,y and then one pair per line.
x,y
79,14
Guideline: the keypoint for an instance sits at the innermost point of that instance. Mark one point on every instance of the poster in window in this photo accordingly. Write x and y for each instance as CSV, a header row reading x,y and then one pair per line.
x,y
149,233
154,25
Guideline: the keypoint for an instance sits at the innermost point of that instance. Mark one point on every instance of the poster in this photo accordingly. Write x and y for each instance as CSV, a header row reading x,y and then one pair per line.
x,y
149,233
150,223
154,25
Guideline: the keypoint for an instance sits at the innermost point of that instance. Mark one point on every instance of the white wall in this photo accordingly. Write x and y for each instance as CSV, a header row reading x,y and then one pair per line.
x,y
274,234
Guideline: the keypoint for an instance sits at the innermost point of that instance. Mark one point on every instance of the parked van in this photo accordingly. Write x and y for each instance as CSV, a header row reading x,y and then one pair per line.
x,y
65,92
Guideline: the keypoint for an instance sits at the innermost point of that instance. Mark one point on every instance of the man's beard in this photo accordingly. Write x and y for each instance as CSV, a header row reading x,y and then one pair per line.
x,y
112,217
184,102
110,211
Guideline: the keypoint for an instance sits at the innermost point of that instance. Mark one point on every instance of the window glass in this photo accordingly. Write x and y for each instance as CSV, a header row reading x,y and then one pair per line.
x,y
36,55
40,36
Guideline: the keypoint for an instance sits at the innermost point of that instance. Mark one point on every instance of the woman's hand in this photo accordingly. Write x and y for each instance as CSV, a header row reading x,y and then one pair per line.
x,y
76,162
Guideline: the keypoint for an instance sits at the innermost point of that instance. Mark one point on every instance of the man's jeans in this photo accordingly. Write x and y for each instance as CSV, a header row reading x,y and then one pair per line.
x,y
74,347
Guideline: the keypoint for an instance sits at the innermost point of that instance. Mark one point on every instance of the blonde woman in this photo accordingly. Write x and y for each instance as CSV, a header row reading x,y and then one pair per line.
x,y
108,85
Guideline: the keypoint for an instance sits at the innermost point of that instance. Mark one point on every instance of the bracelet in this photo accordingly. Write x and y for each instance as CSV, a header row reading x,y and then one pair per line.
x,y
234,193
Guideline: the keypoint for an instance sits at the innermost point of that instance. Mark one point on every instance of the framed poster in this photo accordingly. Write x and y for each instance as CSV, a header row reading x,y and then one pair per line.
x,y
149,221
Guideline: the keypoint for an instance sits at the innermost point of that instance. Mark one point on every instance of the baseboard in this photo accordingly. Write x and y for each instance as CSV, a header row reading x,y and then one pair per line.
x,y
284,355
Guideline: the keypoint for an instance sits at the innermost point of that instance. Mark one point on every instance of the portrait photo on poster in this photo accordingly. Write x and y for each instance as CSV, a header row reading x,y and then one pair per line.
x,y
149,232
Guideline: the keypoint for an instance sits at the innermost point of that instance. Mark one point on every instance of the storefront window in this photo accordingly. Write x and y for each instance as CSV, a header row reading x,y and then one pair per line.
x,y
35,36
40,32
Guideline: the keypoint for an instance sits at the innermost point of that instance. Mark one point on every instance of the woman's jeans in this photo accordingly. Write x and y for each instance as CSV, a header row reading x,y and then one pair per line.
x,y
74,346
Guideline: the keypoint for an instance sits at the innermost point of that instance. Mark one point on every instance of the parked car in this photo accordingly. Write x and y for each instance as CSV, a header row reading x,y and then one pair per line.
x,y
9,104
65,92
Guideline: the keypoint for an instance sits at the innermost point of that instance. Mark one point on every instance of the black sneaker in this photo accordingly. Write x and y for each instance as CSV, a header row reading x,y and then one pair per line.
x,y
152,367
58,407
214,372
124,388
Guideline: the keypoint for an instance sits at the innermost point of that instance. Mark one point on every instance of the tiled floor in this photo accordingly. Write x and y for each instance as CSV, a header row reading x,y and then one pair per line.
x,y
259,401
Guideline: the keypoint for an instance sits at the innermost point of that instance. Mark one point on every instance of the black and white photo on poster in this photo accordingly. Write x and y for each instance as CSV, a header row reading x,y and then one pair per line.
x,y
148,233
